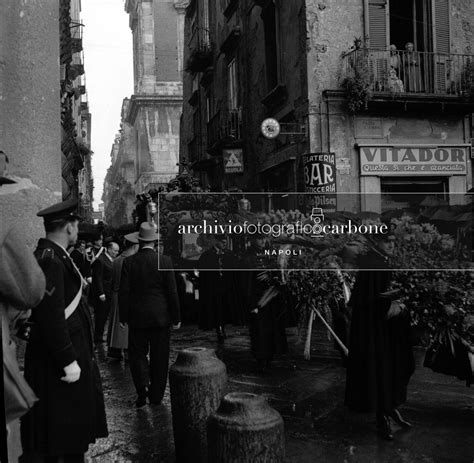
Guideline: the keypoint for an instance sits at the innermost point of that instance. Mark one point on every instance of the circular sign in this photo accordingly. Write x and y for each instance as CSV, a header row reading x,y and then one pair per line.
x,y
270,128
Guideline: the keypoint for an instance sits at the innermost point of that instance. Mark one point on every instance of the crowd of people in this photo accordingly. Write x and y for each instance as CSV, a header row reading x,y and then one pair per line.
x,y
74,294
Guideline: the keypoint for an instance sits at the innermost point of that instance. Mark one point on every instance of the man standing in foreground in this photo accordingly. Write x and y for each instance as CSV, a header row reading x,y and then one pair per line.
x,y
59,359
149,304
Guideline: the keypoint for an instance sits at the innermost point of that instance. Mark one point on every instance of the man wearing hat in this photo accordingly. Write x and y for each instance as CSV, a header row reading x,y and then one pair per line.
x,y
59,359
118,335
149,304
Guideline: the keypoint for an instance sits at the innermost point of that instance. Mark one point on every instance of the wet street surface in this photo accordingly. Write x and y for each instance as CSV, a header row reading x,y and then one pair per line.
x,y
309,395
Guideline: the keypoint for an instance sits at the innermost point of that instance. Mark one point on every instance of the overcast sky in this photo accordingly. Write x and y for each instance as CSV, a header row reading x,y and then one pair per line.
x,y
108,60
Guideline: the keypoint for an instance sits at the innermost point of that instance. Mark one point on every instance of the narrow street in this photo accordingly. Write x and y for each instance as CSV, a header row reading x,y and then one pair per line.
x,y
309,395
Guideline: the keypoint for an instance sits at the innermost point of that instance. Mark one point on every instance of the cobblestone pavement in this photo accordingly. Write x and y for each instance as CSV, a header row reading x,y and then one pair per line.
x,y
309,395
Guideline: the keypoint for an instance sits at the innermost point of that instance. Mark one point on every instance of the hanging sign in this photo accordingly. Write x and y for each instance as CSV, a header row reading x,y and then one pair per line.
x,y
320,180
233,161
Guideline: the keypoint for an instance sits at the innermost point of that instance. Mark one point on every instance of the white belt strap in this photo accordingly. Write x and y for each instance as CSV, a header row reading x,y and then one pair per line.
x,y
69,310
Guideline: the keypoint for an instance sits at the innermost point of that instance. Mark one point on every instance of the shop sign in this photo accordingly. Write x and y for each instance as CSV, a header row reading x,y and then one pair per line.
x,y
392,160
320,180
233,161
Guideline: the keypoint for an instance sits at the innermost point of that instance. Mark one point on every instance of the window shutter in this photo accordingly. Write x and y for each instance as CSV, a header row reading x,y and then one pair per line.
x,y
441,44
441,26
378,24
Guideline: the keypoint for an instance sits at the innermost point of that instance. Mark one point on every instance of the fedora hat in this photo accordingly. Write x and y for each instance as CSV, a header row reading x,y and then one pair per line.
x,y
132,237
147,232
3,169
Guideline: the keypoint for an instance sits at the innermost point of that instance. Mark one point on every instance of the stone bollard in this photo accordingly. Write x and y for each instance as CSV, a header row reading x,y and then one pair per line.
x,y
245,429
197,384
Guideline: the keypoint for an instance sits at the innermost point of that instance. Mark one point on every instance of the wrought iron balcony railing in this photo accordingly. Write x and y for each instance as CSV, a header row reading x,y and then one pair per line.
x,y
224,127
412,72
201,50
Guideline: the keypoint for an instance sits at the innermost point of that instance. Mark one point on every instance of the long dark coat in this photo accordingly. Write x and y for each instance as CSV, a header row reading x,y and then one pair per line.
x,y
68,417
101,278
148,297
380,359
220,301
267,327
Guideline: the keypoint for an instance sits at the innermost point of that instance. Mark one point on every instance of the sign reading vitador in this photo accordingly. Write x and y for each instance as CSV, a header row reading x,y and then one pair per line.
x,y
379,160
320,179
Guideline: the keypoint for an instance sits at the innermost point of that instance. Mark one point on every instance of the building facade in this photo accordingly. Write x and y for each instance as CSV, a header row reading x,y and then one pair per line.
x,y
155,107
119,194
359,109
33,78
75,116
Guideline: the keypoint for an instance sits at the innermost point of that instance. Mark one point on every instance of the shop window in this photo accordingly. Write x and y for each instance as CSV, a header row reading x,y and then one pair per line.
x,y
409,192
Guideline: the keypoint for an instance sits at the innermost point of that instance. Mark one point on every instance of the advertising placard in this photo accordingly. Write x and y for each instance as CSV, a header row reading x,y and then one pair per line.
x,y
320,179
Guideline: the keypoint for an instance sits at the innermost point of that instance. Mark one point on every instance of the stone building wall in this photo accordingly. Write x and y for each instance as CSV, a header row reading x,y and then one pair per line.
x,y
332,28
29,112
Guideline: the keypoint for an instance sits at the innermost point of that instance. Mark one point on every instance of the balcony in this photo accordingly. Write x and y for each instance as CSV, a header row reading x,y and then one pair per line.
x,y
224,129
201,50
411,80
76,36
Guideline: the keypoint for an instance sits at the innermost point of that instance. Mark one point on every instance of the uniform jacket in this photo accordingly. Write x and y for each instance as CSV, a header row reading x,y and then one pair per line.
x,y
148,297
68,416
101,277
81,262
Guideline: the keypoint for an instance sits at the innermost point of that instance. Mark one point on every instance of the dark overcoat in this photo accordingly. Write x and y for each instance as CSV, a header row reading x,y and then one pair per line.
x,y
101,278
219,296
148,297
67,417
267,327
380,359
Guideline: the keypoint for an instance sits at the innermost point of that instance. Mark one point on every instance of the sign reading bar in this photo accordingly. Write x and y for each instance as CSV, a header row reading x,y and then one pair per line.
x,y
320,179
402,160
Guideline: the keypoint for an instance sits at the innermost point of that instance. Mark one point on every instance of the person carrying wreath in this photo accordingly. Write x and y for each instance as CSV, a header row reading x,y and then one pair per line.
x,y
381,360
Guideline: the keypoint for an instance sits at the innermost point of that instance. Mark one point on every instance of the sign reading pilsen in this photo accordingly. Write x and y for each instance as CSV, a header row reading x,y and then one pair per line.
x,y
320,179
393,160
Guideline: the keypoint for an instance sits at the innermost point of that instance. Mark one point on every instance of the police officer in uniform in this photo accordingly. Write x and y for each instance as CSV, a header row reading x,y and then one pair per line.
x,y
59,359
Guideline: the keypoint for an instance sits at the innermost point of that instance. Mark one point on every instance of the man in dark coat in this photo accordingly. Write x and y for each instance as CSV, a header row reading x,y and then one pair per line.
x,y
101,288
149,304
266,324
59,360
78,255
380,359
218,295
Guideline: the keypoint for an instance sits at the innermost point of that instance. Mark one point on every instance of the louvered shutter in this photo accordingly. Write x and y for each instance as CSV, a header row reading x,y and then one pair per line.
x,y
378,24
378,32
442,44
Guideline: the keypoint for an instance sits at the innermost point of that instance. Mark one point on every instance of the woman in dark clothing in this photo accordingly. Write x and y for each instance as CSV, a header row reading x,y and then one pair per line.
x,y
266,324
380,359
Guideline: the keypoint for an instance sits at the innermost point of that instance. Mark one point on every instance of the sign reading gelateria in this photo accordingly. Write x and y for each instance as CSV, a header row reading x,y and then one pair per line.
x,y
379,160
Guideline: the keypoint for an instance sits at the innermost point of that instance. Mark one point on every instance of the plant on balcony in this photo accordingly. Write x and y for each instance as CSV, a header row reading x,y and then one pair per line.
x,y
356,82
467,79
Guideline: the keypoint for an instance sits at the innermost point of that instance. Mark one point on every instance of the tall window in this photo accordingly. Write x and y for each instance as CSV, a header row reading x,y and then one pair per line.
x,y
270,24
422,23
425,23
232,85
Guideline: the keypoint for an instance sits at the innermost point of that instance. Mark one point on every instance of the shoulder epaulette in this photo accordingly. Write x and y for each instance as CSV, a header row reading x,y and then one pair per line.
x,y
47,253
